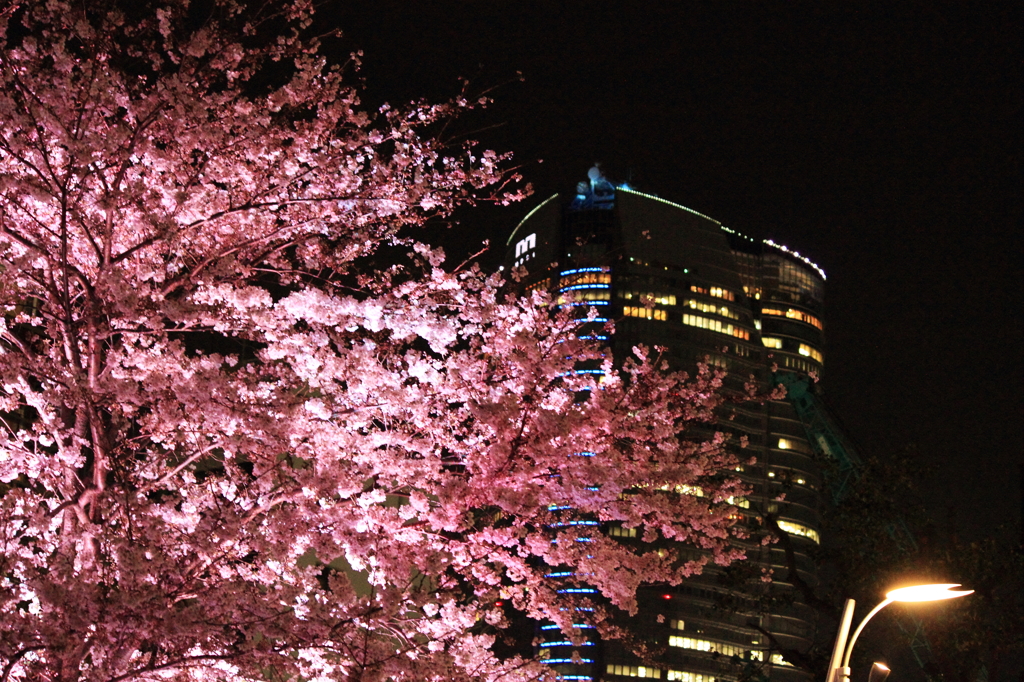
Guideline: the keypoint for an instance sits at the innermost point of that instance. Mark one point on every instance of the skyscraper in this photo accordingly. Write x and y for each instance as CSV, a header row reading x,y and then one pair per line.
x,y
671,277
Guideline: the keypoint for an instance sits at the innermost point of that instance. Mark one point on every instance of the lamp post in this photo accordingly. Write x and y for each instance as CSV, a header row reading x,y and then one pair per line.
x,y
839,665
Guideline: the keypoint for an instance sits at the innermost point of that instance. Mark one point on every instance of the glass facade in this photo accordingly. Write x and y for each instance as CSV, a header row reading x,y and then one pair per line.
x,y
671,277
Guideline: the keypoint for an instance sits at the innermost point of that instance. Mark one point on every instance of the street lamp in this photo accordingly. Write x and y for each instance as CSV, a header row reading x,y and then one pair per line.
x,y
839,665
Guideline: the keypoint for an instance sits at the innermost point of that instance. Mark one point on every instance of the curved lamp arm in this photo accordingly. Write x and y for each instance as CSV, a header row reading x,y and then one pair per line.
x,y
913,593
856,633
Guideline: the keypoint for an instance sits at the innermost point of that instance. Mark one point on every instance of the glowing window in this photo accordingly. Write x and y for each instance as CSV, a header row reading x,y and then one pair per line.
x,y
573,277
633,671
659,298
646,313
794,314
677,624
719,292
683,676
539,286
798,363
741,502
812,353
579,295
689,643
705,645
620,532
684,489
777,659
722,310
715,326
801,530
785,444
771,342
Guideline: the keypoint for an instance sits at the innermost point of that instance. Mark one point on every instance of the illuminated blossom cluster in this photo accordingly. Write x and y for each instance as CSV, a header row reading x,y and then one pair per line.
x,y
250,428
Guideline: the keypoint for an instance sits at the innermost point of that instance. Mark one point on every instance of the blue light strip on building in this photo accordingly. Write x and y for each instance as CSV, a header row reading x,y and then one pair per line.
x,y
586,286
578,270
578,626
567,643
561,575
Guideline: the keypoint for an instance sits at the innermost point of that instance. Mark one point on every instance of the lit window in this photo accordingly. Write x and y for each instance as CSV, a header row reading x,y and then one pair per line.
x,y
633,671
683,676
715,326
712,308
660,299
797,363
646,313
771,342
677,624
584,276
539,286
689,643
684,489
785,444
777,659
811,352
801,530
579,295
705,645
719,292
803,317
620,532
741,502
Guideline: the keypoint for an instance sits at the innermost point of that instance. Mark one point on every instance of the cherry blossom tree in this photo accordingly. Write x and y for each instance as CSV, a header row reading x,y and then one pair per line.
x,y
250,427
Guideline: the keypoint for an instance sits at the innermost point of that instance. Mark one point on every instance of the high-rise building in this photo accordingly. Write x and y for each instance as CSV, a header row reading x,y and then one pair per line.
x,y
671,277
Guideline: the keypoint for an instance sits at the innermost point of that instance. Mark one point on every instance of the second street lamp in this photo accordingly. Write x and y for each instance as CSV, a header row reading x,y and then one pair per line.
x,y
839,665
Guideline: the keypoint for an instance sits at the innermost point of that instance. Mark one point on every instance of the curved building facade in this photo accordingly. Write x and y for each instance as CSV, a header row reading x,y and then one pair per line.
x,y
746,306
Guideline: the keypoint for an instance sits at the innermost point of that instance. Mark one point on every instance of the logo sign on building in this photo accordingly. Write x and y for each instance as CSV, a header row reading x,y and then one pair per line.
x,y
526,248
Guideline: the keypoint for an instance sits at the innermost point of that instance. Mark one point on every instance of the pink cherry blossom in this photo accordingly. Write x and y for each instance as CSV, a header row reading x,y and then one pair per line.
x,y
237,447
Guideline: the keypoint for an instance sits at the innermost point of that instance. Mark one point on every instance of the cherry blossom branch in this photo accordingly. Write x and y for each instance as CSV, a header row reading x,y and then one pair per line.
x,y
17,656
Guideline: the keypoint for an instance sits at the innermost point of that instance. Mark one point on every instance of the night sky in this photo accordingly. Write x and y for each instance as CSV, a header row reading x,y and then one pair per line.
x,y
881,141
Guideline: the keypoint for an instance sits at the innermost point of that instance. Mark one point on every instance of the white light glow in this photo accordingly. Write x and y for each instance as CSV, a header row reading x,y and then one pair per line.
x,y
927,592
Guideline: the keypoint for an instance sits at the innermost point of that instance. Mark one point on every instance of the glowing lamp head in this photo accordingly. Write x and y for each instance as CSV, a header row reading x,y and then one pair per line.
x,y
879,671
927,592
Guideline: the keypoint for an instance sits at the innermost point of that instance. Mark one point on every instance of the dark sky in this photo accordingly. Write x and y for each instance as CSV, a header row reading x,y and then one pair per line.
x,y
882,140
